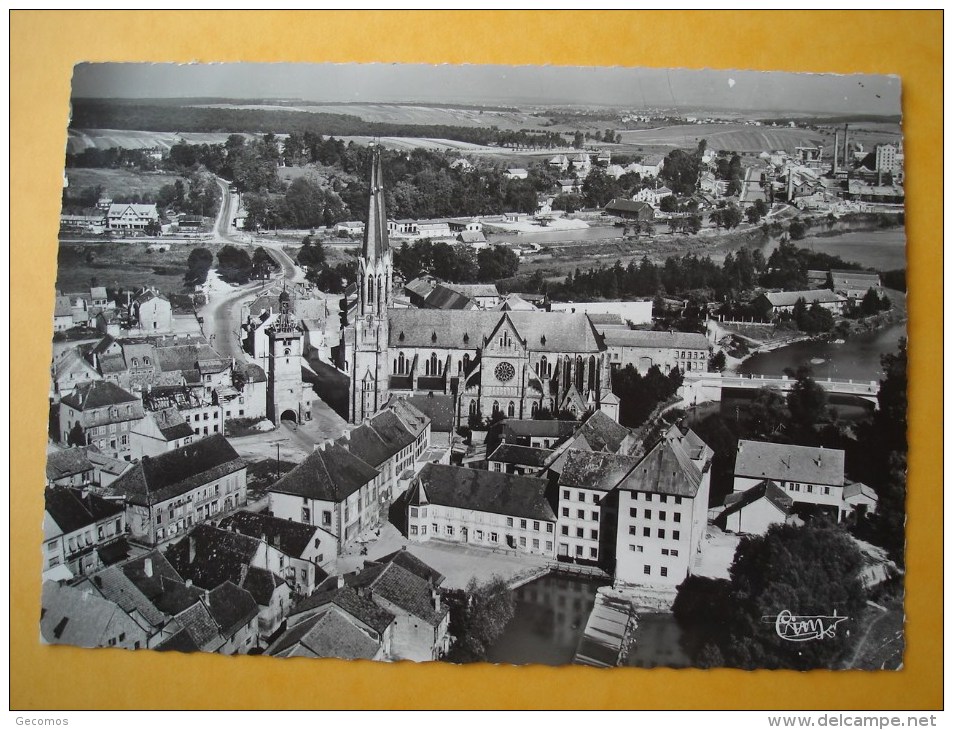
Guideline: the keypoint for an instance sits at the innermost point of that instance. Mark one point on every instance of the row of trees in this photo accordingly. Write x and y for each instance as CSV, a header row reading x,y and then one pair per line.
x,y
234,265
457,264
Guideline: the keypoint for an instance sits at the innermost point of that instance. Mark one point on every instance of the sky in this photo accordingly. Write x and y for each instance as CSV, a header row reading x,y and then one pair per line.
x,y
630,88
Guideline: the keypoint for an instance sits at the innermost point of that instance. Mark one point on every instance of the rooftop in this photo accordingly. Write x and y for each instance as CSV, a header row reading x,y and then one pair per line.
x,y
159,478
789,463
330,474
482,491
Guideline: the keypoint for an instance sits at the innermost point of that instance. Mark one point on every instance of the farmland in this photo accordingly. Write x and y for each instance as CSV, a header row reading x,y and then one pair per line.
x,y
410,114
126,265
82,139
118,182
746,138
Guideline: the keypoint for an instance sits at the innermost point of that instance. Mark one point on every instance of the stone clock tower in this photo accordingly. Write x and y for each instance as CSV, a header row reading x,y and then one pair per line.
x,y
288,399
367,338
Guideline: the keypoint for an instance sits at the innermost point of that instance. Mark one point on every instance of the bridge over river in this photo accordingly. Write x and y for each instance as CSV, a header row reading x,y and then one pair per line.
x,y
700,387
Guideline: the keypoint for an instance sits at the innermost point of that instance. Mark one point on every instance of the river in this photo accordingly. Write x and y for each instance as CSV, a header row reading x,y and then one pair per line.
x,y
882,249
551,615
857,359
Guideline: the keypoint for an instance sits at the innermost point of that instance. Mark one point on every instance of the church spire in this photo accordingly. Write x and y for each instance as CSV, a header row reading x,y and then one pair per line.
x,y
375,232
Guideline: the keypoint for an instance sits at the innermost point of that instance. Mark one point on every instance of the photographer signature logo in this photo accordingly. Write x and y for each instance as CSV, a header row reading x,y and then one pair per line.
x,y
804,628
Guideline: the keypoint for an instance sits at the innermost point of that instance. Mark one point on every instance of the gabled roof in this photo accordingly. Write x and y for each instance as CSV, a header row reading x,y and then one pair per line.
x,y
377,439
443,297
262,584
627,206
330,634
401,587
789,298
525,428
602,471
482,491
347,599
666,469
407,560
292,538
523,455
73,363
331,474
231,607
618,337
416,411
98,394
68,462
210,556
859,489
158,478
475,290
171,424
767,490
201,627
789,463
467,329
72,616
601,433
72,511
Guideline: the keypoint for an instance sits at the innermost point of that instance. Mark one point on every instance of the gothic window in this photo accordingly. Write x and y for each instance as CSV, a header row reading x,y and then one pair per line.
x,y
535,408
432,364
401,363
473,408
459,367
543,367
466,362
370,290
511,409
579,373
592,372
504,372
496,407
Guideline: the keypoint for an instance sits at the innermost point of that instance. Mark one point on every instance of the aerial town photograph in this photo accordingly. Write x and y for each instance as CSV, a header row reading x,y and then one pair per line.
x,y
518,365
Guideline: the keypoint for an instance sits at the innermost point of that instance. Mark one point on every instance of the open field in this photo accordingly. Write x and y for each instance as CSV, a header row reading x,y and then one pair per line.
x,y
746,138
81,139
118,182
409,114
126,265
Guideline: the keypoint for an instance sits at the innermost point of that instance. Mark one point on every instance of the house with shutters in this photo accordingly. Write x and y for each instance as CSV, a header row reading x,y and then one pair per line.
x,y
812,476
79,528
481,508
332,489
101,414
166,495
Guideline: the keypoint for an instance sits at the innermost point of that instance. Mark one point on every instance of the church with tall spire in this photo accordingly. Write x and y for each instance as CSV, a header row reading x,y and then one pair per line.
x,y
367,337
511,363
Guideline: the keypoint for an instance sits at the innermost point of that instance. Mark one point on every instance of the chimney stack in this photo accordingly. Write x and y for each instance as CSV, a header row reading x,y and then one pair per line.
x,y
147,567
340,581
846,147
836,143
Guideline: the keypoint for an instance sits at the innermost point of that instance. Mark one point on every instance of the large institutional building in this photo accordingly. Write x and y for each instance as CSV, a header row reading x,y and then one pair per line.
x,y
513,363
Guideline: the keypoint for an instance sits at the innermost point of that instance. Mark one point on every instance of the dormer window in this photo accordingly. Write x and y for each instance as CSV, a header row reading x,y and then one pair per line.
x,y
466,338
433,337
400,337
542,340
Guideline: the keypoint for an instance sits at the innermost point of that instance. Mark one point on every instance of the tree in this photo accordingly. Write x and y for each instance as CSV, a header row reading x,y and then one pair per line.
x,y
262,263
197,265
797,230
311,254
234,264
717,362
807,401
870,304
477,618
812,570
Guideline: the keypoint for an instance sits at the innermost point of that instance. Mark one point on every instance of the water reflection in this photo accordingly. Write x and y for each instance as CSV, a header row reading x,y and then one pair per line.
x,y
551,615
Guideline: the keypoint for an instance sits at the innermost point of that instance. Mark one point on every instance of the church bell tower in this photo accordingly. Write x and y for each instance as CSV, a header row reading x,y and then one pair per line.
x,y
368,335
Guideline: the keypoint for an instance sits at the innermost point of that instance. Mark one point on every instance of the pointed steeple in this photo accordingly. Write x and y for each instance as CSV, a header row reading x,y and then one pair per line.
x,y
375,232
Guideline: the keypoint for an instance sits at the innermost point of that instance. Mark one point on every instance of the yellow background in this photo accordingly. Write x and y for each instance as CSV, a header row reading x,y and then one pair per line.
x,y
44,47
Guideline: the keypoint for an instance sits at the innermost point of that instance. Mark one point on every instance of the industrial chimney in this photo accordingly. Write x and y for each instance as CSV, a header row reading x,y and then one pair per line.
x,y
836,142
